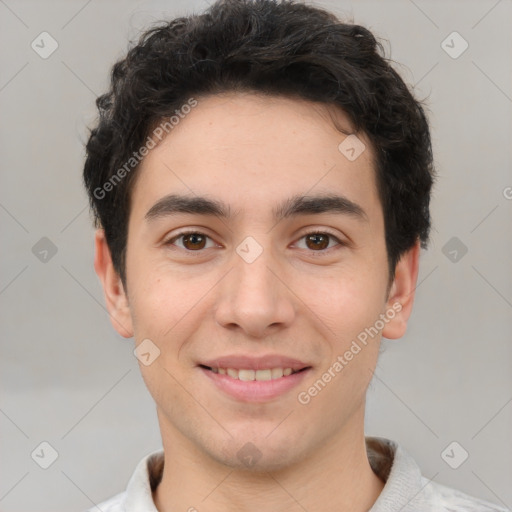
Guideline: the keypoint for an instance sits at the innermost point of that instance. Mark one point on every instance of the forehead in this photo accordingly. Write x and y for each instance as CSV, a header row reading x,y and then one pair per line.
x,y
250,151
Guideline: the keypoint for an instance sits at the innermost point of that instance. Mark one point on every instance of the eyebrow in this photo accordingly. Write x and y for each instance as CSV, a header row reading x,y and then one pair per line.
x,y
297,205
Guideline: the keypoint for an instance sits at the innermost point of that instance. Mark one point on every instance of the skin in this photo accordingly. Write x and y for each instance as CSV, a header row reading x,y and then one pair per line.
x,y
254,152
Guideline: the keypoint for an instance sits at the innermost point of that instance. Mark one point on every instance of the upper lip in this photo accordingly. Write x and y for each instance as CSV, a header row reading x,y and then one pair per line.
x,y
242,362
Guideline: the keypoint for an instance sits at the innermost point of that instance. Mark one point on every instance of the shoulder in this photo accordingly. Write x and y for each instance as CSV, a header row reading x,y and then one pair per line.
x,y
406,489
114,504
453,500
138,493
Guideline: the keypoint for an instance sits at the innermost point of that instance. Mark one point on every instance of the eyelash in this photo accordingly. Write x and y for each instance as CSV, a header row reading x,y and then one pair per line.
x,y
340,243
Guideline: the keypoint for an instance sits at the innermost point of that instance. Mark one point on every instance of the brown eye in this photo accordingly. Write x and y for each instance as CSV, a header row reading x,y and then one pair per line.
x,y
194,241
317,241
191,241
320,242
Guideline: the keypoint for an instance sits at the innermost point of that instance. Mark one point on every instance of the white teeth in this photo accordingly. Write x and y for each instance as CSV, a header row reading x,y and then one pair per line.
x,y
232,373
248,375
263,375
277,373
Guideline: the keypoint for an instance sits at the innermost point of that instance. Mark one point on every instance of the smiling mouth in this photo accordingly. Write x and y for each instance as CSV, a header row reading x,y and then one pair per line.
x,y
248,375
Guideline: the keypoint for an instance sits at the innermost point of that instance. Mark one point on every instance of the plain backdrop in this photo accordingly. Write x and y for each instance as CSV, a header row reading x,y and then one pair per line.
x,y
68,379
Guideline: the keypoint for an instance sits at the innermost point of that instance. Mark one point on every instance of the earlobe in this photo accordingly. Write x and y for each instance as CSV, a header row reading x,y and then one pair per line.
x,y
115,296
401,295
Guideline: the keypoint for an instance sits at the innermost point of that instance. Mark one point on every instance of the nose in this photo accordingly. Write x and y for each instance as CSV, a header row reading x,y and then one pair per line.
x,y
254,298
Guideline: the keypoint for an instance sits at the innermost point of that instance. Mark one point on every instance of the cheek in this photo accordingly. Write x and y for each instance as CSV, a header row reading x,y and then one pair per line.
x,y
353,338
168,308
160,298
162,385
346,301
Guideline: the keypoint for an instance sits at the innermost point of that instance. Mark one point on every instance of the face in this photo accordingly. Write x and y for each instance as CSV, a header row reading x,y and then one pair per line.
x,y
255,244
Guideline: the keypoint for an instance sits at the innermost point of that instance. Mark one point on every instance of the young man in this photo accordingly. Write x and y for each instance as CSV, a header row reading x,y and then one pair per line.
x,y
260,178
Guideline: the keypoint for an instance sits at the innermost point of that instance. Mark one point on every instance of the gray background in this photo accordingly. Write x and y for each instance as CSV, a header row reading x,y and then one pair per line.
x,y
70,380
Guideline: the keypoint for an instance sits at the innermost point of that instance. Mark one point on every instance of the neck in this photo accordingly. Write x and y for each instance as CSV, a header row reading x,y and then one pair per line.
x,y
335,476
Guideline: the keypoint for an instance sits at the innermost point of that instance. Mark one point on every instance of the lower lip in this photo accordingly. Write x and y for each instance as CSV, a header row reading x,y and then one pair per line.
x,y
255,390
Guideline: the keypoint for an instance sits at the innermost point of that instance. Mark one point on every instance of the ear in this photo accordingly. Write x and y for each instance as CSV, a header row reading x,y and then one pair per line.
x,y
115,296
401,294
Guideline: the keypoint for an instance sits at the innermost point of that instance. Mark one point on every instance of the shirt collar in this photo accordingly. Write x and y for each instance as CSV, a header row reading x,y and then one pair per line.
x,y
145,478
405,489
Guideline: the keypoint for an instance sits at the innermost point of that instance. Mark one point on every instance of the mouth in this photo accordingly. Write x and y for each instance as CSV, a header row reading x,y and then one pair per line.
x,y
254,386
248,374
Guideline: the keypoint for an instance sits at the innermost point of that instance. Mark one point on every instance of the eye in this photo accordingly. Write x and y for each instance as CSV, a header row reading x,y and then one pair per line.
x,y
320,241
191,241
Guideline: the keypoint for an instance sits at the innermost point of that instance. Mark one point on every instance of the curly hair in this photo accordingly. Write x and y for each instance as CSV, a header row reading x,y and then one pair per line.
x,y
274,48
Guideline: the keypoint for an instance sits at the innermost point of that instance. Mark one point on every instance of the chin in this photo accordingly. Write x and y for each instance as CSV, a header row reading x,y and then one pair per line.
x,y
258,455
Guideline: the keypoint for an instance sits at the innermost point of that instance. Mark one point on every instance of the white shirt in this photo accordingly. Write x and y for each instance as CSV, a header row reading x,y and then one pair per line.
x,y
405,489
